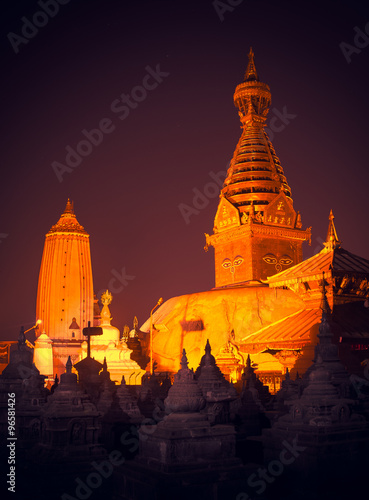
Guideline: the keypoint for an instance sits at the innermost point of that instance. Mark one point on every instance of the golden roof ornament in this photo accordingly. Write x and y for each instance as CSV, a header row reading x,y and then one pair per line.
x,y
332,240
106,299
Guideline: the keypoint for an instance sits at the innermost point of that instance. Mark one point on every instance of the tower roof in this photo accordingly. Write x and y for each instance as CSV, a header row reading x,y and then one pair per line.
x,y
255,174
68,222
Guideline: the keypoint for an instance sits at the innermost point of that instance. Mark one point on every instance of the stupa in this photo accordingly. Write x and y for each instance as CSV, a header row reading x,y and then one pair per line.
x,y
70,424
329,433
217,391
183,456
22,378
257,233
110,347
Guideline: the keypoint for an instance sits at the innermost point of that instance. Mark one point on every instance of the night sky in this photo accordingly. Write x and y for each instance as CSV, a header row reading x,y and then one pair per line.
x,y
128,190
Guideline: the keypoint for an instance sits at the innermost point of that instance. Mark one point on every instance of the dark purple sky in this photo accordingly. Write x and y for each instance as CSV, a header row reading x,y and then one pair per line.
x,y
127,191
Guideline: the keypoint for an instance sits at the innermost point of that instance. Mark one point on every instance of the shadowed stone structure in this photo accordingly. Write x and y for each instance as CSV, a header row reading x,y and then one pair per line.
x,y
326,426
183,456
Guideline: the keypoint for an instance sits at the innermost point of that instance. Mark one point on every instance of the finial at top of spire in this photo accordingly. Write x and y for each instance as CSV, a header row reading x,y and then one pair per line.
x,y
106,299
69,207
69,365
251,73
68,222
207,347
184,361
332,240
135,323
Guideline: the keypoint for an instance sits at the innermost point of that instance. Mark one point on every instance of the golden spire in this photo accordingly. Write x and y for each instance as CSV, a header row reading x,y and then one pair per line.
x,y
251,73
332,240
69,208
255,173
68,222
106,299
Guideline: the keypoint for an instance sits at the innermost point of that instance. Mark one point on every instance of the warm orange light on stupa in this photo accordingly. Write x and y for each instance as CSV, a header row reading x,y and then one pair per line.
x,y
257,232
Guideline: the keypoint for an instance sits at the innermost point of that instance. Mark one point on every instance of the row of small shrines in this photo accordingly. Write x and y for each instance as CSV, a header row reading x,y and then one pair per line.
x,y
88,437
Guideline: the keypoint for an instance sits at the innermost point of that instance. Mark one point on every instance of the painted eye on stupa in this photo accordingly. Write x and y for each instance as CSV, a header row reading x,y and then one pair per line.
x,y
269,258
238,260
285,260
226,263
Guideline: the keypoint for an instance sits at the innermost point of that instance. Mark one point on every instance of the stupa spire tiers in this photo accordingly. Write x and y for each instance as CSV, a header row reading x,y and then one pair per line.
x,y
255,175
257,232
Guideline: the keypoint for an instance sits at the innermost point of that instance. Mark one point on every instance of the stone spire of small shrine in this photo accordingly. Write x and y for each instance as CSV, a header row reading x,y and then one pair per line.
x,y
68,378
207,358
217,391
185,395
127,402
71,422
69,365
184,442
250,381
327,351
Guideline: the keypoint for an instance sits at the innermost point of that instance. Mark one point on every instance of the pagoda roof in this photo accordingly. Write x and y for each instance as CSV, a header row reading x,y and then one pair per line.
x,y
295,331
337,260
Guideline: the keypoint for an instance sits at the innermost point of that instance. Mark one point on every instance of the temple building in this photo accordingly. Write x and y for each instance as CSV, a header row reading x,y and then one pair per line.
x,y
266,298
65,299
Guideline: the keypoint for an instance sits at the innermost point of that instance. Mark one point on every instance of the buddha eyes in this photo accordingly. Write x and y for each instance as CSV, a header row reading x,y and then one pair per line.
x,y
237,261
285,260
226,263
270,259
